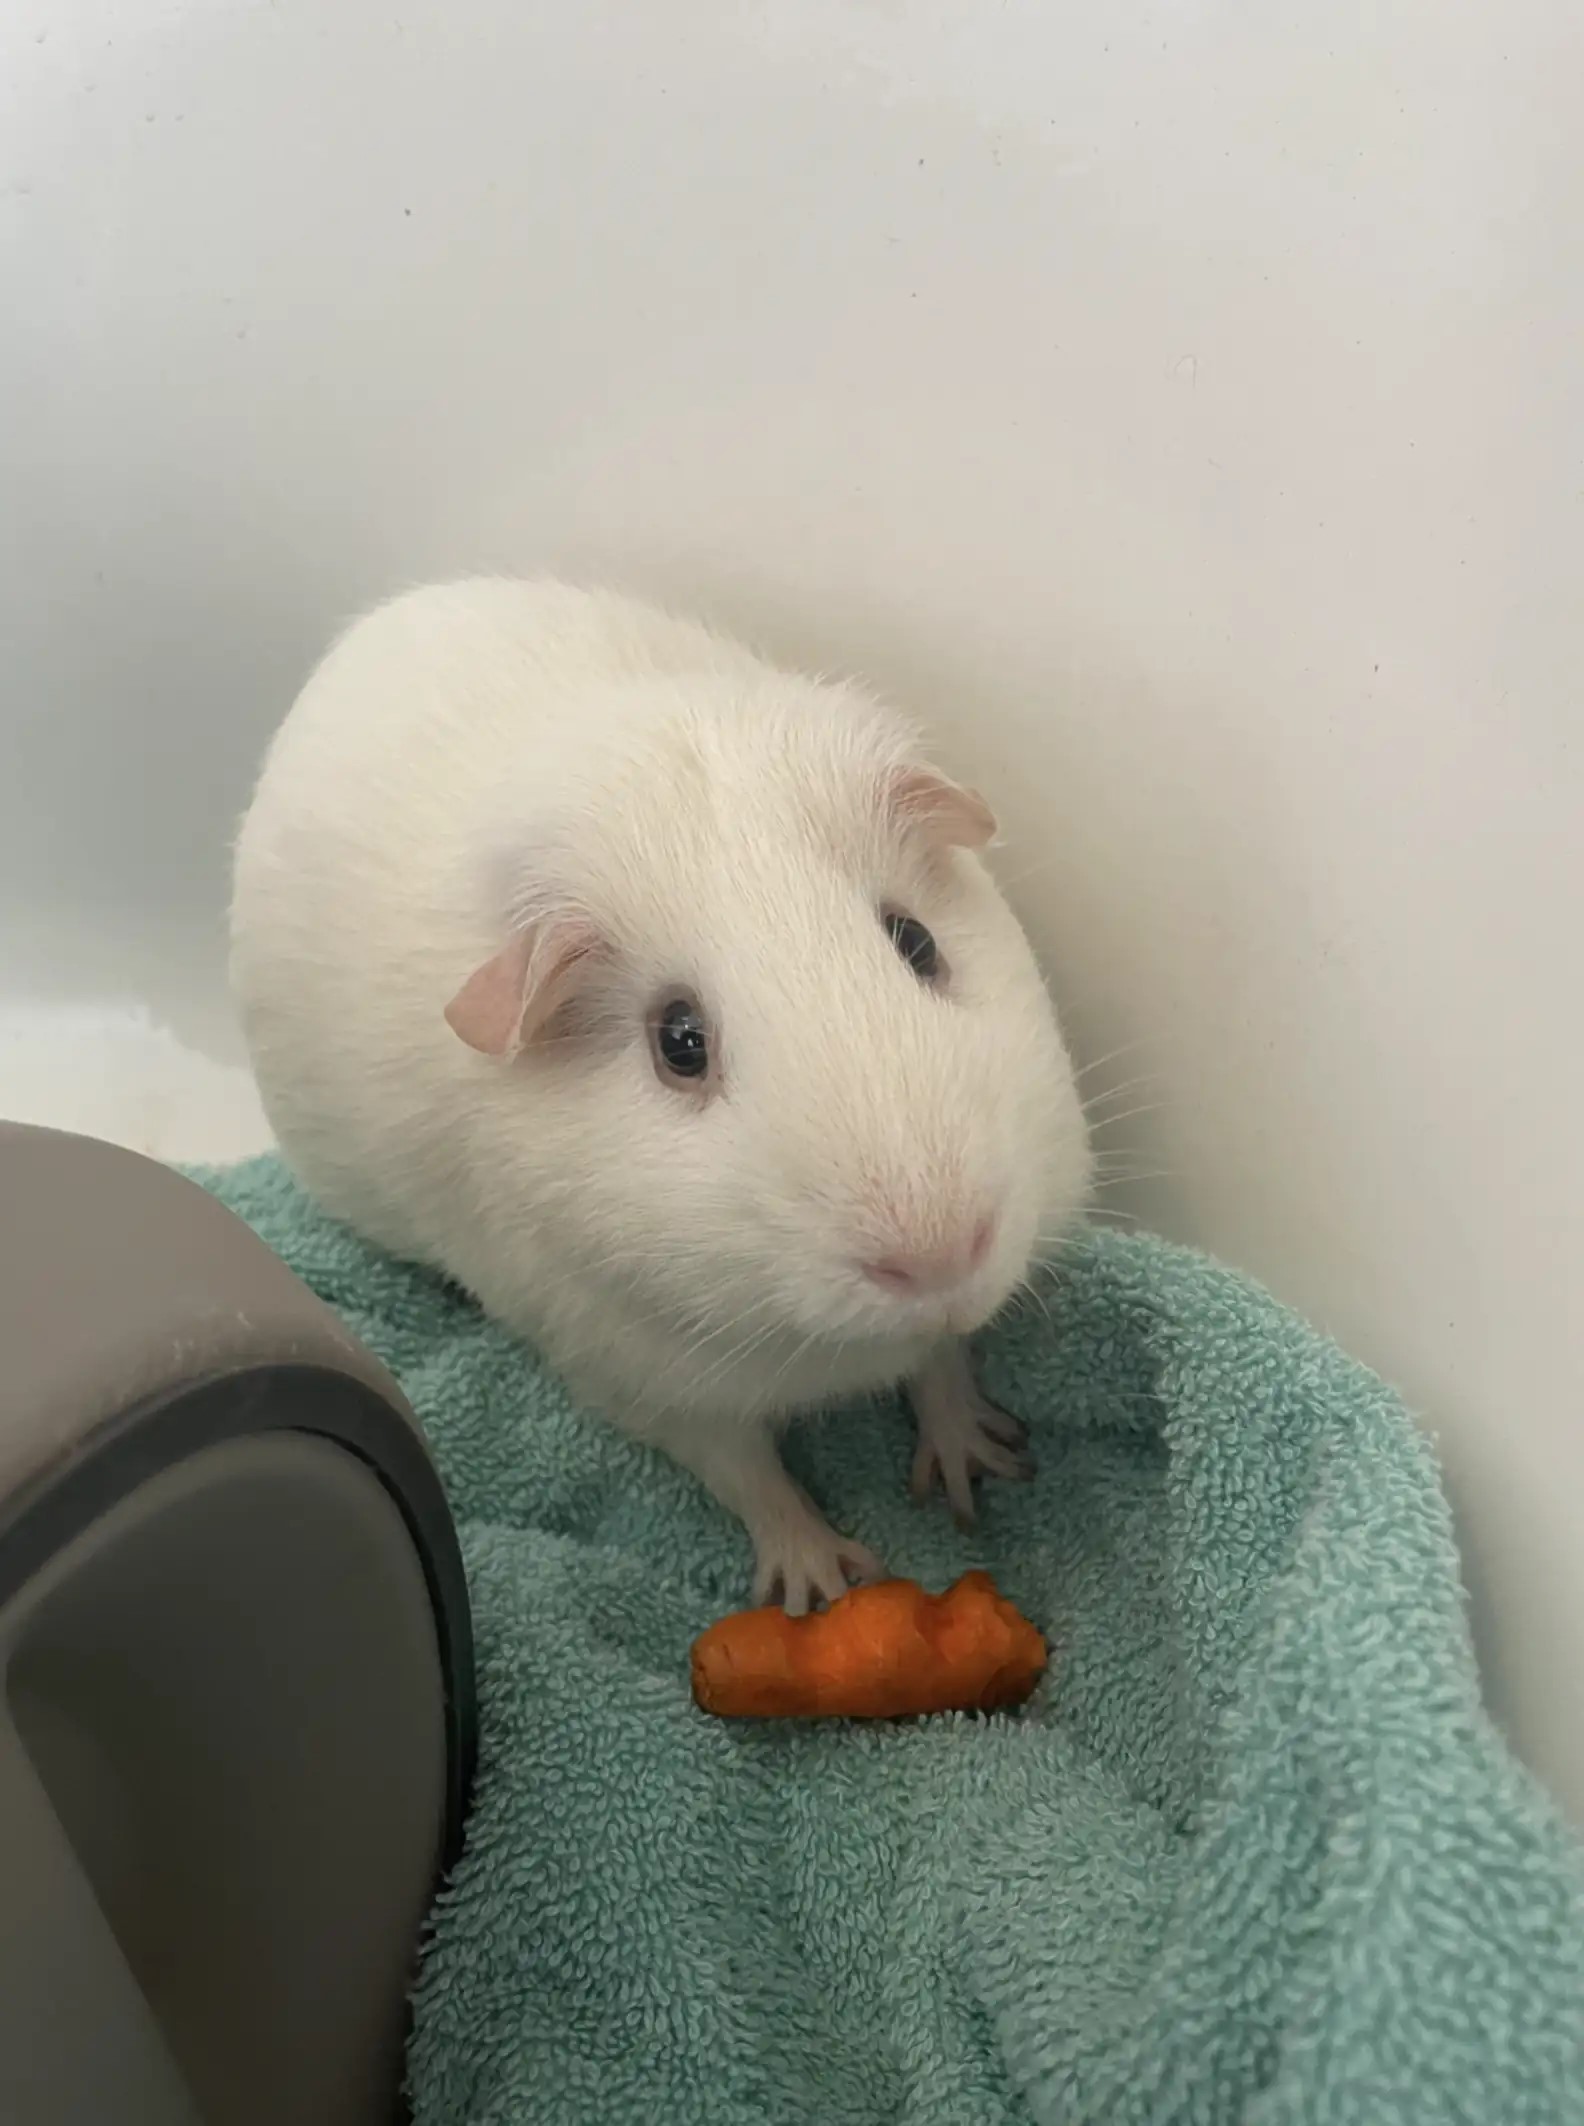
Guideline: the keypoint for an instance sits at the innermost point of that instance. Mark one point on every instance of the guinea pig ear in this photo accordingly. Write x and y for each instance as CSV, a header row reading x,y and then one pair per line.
x,y
949,815
513,996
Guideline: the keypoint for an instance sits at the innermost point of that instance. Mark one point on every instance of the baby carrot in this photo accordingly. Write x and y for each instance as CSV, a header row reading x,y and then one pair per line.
x,y
882,1652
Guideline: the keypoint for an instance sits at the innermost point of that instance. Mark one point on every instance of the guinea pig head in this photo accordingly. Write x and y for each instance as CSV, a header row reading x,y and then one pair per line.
x,y
780,1053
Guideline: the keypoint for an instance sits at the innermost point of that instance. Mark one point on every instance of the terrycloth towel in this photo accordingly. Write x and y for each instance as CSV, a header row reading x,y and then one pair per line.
x,y
1253,1853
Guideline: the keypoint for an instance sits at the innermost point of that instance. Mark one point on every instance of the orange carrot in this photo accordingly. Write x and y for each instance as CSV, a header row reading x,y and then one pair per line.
x,y
880,1653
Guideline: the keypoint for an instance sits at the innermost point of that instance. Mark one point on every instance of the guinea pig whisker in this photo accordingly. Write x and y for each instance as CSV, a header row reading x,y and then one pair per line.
x,y
692,1391
1099,1062
806,1344
1152,1107
1021,878
737,1352
579,1271
725,1328
1029,1290
708,1334
1115,1092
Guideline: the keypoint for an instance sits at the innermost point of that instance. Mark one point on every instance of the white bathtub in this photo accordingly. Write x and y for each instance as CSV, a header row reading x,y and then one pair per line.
x,y
1181,406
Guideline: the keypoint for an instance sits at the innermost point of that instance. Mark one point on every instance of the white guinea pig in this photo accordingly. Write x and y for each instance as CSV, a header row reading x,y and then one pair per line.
x,y
657,996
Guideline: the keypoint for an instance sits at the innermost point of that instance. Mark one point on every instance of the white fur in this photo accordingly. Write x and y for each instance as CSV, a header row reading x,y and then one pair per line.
x,y
485,755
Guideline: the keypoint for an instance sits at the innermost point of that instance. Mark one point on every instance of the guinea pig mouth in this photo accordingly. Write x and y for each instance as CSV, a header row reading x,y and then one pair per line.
x,y
956,1312
969,1313
955,1284
940,1270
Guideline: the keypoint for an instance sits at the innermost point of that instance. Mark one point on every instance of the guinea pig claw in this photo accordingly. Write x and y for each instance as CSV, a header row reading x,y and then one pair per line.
x,y
1016,1468
952,1470
922,1475
811,1567
970,1451
1002,1425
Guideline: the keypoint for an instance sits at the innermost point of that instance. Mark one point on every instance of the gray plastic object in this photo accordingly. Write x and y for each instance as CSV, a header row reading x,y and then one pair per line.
x,y
236,1684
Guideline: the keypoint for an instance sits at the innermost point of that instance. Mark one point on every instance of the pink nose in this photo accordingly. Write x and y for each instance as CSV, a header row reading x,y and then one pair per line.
x,y
933,1269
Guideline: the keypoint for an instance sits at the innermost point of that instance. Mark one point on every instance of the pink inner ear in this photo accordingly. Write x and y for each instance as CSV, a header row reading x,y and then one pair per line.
x,y
954,818
509,999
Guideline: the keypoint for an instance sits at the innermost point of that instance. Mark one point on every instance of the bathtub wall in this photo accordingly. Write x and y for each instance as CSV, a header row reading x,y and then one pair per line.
x,y
1180,406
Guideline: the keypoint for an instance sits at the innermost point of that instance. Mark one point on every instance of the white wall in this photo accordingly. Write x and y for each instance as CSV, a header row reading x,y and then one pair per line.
x,y
1182,405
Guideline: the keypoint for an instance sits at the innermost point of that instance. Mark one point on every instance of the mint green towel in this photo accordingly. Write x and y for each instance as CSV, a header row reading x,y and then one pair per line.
x,y
1253,1853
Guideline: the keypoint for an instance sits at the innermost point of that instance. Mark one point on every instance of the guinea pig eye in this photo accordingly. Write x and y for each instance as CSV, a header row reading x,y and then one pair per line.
x,y
915,945
681,1040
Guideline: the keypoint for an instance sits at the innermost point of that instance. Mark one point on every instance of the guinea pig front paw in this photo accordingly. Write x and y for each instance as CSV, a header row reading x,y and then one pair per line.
x,y
961,1435
804,1563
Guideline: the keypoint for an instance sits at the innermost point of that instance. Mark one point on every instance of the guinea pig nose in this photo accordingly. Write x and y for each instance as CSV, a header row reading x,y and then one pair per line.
x,y
933,1269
